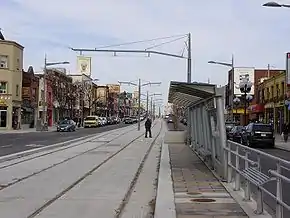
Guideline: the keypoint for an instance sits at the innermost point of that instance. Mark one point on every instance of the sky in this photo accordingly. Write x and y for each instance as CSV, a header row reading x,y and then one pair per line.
x,y
255,35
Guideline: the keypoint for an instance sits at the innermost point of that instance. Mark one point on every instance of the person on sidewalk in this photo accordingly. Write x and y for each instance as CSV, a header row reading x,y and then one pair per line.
x,y
285,131
148,125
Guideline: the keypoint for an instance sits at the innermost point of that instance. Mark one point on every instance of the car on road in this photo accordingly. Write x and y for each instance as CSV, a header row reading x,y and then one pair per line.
x,y
128,120
66,126
258,134
91,121
235,134
169,120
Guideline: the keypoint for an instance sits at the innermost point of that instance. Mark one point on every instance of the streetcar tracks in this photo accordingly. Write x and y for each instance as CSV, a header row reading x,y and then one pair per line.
x,y
88,173
128,194
13,182
65,147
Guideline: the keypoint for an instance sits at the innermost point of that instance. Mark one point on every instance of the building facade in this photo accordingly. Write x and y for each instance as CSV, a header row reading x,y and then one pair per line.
x,y
271,96
11,65
30,92
235,112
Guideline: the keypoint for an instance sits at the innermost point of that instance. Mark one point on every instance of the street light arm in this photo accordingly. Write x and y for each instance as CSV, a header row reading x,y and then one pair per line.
x,y
57,63
220,63
127,83
151,83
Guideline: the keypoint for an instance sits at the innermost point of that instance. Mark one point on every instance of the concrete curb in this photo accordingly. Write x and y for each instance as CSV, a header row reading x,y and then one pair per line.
x,y
83,139
165,205
281,147
37,150
249,207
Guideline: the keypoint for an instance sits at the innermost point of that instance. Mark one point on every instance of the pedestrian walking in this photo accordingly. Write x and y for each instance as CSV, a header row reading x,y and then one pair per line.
x,y
285,131
148,125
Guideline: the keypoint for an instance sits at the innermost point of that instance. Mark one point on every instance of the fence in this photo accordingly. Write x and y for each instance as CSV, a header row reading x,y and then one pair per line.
x,y
236,163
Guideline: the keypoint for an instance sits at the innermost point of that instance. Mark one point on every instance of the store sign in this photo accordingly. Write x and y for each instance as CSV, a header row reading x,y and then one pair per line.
x,y
114,88
288,68
3,102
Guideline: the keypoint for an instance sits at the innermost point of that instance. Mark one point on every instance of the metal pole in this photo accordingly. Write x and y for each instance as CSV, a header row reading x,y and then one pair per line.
x,y
189,59
245,109
151,106
139,103
147,103
44,114
233,89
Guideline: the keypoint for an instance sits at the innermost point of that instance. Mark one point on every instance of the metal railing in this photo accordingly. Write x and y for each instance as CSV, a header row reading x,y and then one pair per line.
x,y
255,175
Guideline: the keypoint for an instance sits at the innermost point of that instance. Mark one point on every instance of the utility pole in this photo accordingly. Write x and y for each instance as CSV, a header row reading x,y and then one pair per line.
x,y
147,103
139,85
189,59
139,103
44,113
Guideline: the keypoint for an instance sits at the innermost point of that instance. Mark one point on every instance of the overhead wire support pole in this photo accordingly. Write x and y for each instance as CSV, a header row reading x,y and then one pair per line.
x,y
148,52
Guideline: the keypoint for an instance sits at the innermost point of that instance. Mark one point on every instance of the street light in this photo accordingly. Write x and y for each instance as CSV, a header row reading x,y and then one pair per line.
x,y
232,70
275,5
245,87
44,114
236,102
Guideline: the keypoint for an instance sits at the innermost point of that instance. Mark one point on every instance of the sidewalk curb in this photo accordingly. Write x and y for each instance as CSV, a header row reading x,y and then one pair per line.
x,y
84,139
37,150
248,206
281,147
165,204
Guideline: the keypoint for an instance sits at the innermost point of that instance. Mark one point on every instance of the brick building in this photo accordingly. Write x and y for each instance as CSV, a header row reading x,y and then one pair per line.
x,y
29,108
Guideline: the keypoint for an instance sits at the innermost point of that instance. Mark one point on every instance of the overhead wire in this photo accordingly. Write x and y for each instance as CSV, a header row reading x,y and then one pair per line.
x,y
164,43
140,41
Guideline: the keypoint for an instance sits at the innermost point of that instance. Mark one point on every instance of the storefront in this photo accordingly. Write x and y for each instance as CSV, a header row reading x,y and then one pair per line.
x,y
256,112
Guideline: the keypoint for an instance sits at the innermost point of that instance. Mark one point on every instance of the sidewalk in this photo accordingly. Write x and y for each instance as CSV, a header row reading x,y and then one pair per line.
x,y
196,192
279,143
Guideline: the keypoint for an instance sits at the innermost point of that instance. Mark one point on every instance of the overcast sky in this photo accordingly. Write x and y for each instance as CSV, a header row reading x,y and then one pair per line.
x,y
254,34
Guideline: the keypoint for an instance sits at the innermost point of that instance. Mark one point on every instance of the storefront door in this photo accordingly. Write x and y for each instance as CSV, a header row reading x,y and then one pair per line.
x,y
3,118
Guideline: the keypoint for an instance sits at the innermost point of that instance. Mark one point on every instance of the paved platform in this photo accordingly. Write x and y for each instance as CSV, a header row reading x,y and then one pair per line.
x,y
196,192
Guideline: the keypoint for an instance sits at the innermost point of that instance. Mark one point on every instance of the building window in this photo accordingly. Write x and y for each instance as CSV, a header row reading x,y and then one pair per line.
x,y
17,90
3,88
3,61
17,64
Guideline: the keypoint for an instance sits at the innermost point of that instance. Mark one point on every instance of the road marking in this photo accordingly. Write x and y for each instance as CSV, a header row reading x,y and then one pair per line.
x,y
6,146
34,145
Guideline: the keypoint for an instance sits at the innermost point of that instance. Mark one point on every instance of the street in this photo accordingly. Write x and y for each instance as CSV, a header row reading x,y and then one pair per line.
x,y
16,142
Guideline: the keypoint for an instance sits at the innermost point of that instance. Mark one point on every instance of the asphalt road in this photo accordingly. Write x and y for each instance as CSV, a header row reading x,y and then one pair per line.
x,y
16,142
266,164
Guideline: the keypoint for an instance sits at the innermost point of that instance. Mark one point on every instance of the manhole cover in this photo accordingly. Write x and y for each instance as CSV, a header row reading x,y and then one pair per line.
x,y
203,200
193,193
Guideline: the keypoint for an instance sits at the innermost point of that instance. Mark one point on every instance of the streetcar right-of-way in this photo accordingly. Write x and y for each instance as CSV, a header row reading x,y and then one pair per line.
x,y
96,178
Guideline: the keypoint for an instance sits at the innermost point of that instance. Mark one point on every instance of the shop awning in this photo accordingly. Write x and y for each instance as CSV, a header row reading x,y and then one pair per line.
x,y
187,94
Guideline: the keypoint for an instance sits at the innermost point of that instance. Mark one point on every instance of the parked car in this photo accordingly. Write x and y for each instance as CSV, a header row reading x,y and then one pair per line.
x,y
235,133
229,127
128,120
169,120
91,121
258,134
66,126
